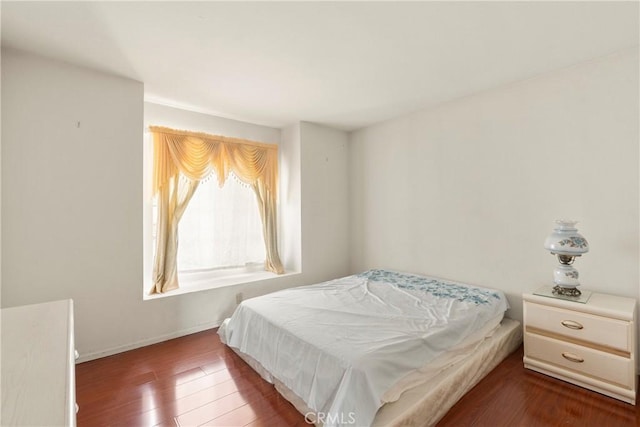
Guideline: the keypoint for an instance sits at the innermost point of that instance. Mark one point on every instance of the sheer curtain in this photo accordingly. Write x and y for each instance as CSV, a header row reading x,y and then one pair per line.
x,y
181,160
221,228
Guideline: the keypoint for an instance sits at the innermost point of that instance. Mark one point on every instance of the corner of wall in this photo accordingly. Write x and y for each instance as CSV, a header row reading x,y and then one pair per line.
x,y
290,219
325,201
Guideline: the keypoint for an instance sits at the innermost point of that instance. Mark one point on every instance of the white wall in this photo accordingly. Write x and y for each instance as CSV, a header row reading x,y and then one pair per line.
x,y
161,115
469,190
72,207
325,202
0,197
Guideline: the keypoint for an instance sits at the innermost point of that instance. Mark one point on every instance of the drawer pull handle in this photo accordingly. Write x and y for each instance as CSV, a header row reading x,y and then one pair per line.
x,y
571,324
572,357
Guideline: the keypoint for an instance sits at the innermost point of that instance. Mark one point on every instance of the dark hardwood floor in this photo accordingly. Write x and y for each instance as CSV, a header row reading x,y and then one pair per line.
x,y
196,380
188,381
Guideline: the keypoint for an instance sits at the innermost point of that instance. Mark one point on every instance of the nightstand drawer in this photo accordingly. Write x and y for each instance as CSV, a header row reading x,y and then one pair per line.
x,y
597,364
602,331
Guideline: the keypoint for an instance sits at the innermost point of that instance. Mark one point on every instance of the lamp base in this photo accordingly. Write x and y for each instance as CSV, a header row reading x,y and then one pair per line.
x,y
547,291
567,292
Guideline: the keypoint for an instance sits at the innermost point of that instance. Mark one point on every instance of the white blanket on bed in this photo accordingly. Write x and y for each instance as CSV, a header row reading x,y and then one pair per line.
x,y
340,345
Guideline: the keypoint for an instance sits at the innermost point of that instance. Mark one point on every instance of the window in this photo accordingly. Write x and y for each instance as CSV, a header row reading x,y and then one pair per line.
x,y
220,228
202,227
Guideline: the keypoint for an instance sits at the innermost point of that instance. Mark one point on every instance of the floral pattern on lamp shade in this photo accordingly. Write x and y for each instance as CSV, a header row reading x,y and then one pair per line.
x,y
574,242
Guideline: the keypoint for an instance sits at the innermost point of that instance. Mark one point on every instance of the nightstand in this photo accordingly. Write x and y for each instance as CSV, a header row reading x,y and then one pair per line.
x,y
590,344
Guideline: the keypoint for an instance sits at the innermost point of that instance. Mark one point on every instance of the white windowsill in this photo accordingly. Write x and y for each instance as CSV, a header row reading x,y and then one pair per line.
x,y
203,281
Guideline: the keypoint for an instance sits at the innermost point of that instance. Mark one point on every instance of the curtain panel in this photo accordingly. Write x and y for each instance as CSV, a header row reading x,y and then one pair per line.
x,y
181,160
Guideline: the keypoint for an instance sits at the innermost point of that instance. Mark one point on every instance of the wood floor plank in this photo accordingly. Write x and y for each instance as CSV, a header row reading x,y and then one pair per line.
x,y
196,380
238,417
212,410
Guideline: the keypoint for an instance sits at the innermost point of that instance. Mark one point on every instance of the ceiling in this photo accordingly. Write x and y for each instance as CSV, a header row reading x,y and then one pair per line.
x,y
342,64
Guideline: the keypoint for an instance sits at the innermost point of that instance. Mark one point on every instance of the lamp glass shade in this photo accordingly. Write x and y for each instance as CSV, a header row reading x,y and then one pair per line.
x,y
565,240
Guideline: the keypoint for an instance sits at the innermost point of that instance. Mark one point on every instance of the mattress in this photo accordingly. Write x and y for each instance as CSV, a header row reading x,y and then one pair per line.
x,y
347,346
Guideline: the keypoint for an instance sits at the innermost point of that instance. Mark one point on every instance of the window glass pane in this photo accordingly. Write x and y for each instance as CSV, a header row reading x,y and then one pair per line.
x,y
221,227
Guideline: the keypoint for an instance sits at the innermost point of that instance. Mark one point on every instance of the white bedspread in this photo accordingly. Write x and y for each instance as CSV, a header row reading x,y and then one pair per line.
x,y
340,345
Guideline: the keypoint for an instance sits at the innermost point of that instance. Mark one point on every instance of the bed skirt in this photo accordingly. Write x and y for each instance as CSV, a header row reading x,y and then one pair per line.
x,y
426,404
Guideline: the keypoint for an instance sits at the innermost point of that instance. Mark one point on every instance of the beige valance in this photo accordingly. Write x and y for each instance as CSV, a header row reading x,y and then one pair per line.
x,y
197,155
194,156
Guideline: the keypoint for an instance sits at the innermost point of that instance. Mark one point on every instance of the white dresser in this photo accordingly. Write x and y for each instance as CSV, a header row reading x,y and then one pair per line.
x,y
592,345
38,365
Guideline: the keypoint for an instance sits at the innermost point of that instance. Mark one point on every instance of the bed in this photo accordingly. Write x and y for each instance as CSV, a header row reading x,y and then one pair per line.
x,y
376,348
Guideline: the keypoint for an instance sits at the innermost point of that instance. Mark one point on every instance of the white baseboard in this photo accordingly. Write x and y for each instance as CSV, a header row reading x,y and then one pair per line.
x,y
148,341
